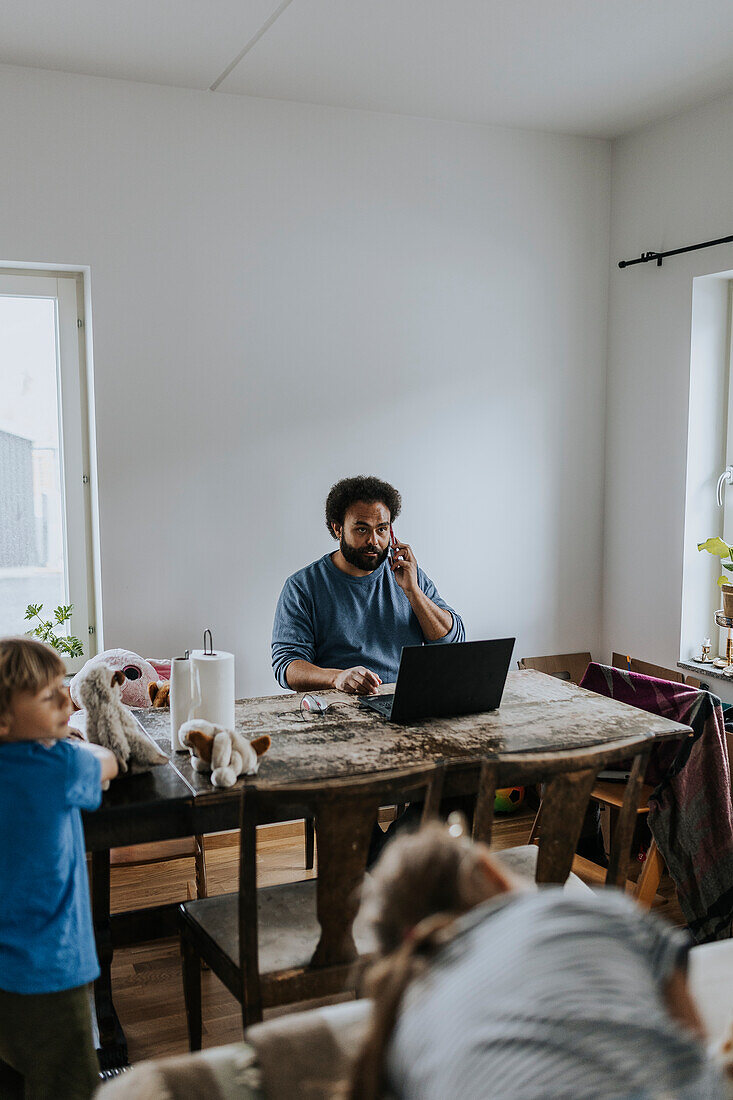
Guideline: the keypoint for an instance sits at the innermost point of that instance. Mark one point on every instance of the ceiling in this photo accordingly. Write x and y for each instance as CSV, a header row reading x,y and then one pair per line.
x,y
592,67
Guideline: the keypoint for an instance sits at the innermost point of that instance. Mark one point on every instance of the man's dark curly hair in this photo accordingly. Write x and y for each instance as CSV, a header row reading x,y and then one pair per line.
x,y
369,489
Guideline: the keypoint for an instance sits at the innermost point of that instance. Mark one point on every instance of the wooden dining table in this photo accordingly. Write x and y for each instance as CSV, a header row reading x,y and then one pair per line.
x,y
540,719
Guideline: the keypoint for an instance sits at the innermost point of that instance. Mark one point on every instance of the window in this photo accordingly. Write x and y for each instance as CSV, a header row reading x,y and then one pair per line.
x,y
709,452
45,473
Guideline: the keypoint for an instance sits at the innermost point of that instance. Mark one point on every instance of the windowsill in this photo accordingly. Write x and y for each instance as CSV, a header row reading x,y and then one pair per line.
x,y
704,672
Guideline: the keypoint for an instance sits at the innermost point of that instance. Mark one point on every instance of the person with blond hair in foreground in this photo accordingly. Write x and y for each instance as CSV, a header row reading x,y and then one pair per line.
x,y
485,987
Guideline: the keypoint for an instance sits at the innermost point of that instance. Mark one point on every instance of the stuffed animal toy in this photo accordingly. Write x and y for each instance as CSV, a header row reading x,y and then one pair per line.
x,y
161,666
225,753
110,723
159,692
138,674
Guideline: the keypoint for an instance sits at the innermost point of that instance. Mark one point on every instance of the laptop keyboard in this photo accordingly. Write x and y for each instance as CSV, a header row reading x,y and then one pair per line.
x,y
381,703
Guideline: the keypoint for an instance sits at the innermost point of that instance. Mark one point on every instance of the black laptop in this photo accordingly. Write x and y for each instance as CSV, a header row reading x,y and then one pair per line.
x,y
439,681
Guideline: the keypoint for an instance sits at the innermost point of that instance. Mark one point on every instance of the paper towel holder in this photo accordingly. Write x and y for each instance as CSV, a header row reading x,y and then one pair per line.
x,y
210,651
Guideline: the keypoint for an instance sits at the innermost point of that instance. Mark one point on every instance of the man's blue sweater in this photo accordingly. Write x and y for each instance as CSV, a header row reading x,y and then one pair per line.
x,y
333,620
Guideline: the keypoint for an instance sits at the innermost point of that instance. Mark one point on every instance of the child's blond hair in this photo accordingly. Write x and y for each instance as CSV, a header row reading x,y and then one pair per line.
x,y
421,883
26,665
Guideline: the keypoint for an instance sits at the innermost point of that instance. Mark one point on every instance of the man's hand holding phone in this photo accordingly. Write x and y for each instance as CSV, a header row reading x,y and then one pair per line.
x,y
403,564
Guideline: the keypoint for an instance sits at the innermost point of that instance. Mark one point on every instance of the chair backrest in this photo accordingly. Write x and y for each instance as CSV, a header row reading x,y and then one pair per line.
x,y
569,778
565,666
345,812
631,664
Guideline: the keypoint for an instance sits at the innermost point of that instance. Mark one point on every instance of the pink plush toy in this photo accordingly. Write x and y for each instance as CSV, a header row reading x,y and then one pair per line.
x,y
138,674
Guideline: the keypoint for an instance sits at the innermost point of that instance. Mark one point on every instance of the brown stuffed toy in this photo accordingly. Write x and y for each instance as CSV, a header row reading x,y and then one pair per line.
x,y
159,692
225,753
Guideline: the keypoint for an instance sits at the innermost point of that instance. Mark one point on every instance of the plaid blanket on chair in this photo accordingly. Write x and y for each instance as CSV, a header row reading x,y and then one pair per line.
x,y
690,814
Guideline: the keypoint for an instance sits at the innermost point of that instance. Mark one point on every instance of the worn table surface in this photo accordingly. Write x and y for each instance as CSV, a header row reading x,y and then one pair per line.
x,y
538,714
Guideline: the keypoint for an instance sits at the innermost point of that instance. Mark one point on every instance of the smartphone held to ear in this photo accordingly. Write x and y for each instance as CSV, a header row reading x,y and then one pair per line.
x,y
392,546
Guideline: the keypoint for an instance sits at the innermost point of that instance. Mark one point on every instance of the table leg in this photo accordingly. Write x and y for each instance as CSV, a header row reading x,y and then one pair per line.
x,y
343,834
112,1045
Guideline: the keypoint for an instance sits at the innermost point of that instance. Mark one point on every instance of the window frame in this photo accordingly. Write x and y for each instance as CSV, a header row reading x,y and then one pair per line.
x,y
77,466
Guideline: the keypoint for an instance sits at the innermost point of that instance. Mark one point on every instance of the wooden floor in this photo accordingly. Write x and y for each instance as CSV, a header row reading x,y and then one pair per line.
x,y
147,979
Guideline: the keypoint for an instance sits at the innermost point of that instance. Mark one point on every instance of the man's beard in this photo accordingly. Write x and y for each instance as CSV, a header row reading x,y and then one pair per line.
x,y
359,560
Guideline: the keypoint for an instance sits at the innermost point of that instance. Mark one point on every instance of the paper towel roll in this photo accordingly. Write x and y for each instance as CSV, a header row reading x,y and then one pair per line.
x,y
180,699
212,687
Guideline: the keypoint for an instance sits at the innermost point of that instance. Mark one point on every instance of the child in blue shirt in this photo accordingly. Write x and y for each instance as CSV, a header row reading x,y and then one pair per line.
x,y
47,950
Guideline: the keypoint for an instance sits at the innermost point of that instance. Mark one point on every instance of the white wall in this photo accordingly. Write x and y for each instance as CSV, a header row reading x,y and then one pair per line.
x,y
671,186
285,294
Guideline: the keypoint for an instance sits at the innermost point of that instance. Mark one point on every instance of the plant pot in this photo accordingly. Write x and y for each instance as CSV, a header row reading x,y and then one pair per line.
x,y
727,590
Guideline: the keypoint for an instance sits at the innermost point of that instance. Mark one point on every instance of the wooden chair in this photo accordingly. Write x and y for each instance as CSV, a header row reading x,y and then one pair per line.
x,y
631,664
569,778
610,794
564,666
654,867
283,944
140,855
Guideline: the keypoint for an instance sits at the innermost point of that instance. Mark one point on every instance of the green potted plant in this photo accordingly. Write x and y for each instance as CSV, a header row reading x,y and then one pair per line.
x,y
721,549
45,629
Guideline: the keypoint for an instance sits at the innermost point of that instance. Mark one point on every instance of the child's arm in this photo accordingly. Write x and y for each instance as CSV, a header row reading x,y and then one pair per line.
x,y
106,758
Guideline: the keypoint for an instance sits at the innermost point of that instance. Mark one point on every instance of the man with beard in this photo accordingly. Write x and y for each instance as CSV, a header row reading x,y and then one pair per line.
x,y
342,621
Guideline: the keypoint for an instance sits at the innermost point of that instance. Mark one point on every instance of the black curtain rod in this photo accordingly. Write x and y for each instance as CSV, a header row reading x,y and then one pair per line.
x,y
659,256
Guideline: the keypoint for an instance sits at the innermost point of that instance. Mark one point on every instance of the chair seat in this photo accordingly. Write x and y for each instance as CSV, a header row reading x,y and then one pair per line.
x,y
522,860
288,926
612,794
